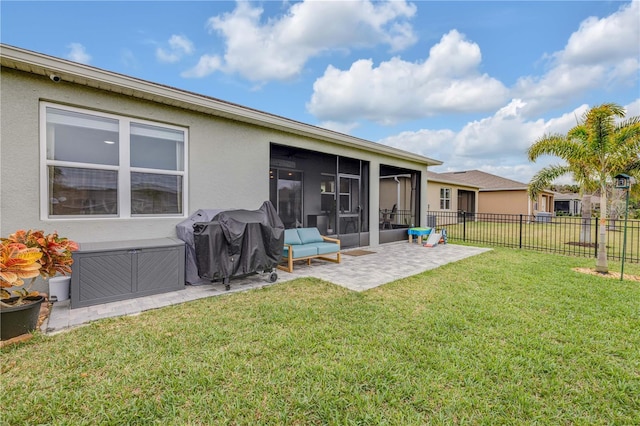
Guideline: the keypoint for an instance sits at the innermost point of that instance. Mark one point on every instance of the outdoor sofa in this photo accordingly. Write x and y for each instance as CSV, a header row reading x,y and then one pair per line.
x,y
307,244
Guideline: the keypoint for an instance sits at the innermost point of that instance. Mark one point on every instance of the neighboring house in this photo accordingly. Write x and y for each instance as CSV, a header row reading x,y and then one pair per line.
x,y
500,195
595,204
447,193
568,204
100,156
572,203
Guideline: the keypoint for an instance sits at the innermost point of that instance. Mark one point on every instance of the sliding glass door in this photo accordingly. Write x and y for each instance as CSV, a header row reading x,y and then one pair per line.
x,y
286,188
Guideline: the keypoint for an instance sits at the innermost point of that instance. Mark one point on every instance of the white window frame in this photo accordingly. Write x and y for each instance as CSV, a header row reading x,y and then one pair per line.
x,y
124,168
446,198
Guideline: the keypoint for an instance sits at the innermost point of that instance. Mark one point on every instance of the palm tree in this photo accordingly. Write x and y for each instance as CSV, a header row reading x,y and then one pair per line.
x,y
594,151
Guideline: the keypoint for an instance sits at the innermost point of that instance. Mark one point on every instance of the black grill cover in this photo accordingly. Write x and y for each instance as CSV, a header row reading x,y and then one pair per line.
x,y
239,242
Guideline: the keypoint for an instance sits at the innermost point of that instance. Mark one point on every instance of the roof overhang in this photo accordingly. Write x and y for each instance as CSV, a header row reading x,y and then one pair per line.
x,y
453,182
512,189
502,189
73,72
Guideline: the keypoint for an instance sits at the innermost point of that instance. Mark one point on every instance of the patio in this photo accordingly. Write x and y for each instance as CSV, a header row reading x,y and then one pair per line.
x,y
381,265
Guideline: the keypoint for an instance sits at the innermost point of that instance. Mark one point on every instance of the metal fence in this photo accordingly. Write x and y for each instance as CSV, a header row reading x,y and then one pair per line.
x,y
568,235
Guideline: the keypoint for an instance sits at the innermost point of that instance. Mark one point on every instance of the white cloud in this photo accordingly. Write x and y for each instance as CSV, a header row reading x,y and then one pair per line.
x,y
78,53
601,53
505,134
181,43
178,46
430,143
206,65
610,40
337,126
279,48
495,144
447,82
633,109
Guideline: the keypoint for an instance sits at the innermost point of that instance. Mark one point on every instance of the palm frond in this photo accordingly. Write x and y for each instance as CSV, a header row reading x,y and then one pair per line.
x,y
555,145
629,122
545,176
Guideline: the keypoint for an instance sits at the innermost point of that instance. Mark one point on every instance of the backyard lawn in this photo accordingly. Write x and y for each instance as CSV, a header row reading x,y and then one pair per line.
x,y
506,337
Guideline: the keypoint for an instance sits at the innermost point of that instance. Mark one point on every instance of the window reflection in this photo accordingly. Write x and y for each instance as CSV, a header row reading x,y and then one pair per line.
x,y
76,191
152,193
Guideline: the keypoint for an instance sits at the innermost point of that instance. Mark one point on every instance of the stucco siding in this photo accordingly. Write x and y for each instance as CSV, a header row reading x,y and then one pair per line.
x,y
433,195
20,151
216,179
503,202
228,161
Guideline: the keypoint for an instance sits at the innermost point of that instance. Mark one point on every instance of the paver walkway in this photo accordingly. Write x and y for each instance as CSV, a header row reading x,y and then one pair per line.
x,y
388,263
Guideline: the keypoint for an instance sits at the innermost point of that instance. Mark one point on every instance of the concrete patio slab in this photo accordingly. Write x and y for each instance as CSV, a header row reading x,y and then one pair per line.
x,y
385,263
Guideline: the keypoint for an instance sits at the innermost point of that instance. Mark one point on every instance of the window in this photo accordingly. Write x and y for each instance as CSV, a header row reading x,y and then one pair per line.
x,y
327,193
445,198
102,165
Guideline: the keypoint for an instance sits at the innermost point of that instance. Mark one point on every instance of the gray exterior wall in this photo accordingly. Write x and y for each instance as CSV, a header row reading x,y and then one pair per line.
x,y
228,161
227,164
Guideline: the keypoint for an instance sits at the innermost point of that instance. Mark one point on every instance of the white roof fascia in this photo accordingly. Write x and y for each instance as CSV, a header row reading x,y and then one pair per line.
x,y
512,189
502,189
452,182
37,63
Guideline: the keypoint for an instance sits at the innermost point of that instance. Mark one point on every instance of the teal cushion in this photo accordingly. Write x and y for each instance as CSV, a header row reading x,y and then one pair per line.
x,y
325,248
303,251
291,236
309,235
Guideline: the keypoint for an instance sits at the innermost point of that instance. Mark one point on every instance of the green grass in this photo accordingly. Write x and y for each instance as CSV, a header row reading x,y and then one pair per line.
x,y
506,337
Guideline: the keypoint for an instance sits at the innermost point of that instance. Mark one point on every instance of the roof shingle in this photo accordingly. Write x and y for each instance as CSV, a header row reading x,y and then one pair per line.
x,y
483,180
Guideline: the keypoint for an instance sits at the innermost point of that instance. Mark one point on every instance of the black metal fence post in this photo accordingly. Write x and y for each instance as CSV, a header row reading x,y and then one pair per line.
x,y
595,249
464,226
520,243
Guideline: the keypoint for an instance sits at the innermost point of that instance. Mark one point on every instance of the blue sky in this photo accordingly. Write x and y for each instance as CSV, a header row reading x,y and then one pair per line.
x,y
469,83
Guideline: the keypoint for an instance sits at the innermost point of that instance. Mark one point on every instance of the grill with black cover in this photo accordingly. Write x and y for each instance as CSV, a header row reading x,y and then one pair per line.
x,y
239,242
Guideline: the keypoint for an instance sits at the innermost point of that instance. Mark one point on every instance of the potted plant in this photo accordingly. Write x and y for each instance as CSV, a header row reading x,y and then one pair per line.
x,y
24,256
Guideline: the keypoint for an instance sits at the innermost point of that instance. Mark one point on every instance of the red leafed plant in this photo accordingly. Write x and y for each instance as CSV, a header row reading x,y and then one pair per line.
x,y
56,251
29,254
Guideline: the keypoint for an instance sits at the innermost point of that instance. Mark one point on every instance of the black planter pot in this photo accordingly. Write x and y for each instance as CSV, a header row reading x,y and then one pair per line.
x,y
17,320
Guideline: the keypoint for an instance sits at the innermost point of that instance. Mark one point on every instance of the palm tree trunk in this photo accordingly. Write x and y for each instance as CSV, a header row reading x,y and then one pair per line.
x,y
585,229
601,261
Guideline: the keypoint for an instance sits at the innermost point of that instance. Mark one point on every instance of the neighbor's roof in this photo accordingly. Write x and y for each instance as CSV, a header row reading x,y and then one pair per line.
x,y
563,196
451,180
559,196
486,181
73,72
